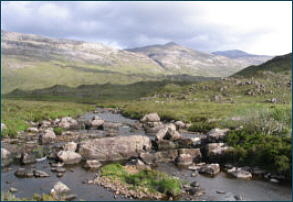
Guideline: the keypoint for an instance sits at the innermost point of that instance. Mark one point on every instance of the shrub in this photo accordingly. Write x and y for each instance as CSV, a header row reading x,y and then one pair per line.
x,y
58,130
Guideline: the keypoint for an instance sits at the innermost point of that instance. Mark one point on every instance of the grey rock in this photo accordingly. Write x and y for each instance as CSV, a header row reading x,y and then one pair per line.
x,y
24,172
70,146
194,184
147,158
40,173
27,158
47,137
92,164
152,117
196,191
184,160
210,169
69,157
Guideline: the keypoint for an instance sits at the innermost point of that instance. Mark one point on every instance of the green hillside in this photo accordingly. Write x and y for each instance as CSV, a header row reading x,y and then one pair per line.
x,y
279,64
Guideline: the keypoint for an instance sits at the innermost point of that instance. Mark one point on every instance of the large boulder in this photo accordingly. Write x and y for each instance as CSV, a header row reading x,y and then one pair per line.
x,y
61,192
152,117
184,160
210,169
47,137
115,148
3,126
69,157
217,135
5,157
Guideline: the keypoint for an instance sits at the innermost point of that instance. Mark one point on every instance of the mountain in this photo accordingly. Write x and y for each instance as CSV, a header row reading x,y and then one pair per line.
x,y
179,59
30,62
244,58
280,64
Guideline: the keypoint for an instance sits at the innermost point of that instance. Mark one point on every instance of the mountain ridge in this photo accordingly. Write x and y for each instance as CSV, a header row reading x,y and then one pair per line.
x,y
243,57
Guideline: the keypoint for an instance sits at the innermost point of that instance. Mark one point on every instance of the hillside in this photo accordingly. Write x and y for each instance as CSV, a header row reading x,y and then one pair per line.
x,y
179,59
244,58
30,62
280,64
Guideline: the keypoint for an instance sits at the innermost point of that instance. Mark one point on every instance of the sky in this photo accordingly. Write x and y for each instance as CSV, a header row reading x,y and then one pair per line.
x,y
263,27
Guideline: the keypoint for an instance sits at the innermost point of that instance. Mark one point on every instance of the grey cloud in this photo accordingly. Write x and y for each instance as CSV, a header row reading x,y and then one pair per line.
x,y
127,24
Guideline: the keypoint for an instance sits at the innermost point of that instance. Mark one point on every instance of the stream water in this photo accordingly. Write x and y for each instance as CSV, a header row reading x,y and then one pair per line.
x,y
75,176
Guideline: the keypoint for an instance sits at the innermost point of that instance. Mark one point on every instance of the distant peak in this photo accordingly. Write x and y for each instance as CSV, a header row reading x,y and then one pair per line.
x,y
171,44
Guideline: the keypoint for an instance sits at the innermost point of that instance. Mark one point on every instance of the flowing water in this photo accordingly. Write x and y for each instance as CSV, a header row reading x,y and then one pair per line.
x,y
75,176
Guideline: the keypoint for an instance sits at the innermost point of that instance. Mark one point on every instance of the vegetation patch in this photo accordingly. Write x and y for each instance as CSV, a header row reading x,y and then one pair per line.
x,y
153,180
271,152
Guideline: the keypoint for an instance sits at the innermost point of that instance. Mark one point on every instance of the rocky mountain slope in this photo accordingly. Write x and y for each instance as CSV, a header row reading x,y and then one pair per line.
x,y
179,59
244,58
30,62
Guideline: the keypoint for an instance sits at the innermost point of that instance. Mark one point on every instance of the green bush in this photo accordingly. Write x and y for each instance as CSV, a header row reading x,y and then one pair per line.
x,y
272,152
58,130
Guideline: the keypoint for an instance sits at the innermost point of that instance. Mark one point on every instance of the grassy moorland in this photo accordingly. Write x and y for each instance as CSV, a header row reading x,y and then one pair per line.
x,y
16,113
261,104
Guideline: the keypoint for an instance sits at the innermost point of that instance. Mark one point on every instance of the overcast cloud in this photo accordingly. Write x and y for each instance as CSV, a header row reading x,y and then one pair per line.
x,y
255,27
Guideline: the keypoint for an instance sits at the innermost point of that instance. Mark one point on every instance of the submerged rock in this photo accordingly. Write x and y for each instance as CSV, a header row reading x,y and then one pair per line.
x,y
40,173
210,169
24,172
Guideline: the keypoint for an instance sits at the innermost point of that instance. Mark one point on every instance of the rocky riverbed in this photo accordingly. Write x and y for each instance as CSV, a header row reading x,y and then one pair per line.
x,y
46,160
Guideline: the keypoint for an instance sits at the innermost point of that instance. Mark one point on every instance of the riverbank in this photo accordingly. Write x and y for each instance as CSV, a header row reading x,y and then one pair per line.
x,y
163,156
